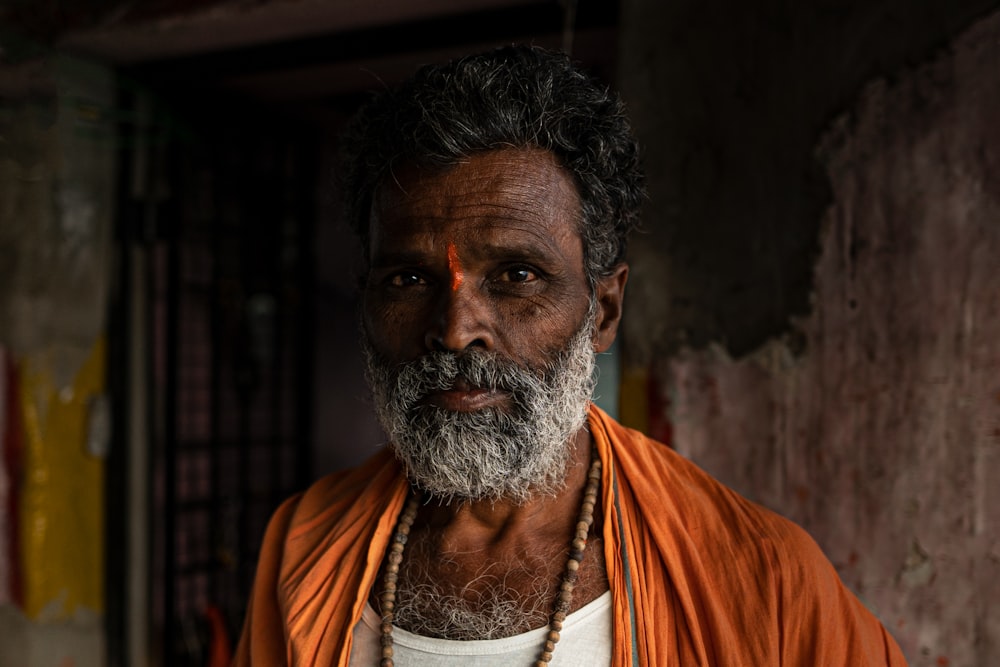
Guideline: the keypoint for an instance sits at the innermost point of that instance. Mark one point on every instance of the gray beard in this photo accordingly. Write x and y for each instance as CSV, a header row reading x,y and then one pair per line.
x,y
511,454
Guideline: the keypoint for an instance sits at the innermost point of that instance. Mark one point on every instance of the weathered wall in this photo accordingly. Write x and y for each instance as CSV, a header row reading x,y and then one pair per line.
x,y
56,187
730,99
875,420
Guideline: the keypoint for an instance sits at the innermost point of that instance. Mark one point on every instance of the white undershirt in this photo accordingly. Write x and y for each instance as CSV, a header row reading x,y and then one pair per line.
x,y
585,640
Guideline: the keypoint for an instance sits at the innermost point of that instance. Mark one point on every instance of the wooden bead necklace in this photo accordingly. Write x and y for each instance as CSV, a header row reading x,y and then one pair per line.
x,y
562,604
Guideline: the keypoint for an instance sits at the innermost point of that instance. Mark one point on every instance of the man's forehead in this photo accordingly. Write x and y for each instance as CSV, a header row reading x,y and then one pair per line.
x,y
517,172
521,187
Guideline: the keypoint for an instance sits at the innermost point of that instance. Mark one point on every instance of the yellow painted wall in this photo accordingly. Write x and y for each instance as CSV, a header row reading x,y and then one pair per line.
x,y
62,498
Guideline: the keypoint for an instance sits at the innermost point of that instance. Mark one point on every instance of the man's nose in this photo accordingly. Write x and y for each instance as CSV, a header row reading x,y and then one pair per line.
x,y
461,321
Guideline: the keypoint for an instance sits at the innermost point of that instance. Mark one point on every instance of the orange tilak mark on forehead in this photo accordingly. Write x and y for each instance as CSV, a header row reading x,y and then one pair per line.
x,y
454,267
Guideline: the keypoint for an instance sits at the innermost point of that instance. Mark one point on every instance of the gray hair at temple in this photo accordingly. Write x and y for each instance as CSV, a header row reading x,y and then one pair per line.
x,y
514,96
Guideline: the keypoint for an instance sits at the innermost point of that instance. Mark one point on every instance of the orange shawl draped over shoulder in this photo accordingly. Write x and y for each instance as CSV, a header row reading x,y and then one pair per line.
x,y
699,575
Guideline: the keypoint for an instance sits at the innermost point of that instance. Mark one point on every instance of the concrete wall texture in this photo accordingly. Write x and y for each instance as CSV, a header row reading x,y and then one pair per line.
x,y
57,178
873,418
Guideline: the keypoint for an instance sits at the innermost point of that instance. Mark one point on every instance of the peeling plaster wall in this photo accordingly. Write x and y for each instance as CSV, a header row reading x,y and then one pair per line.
x,y
729,100
882,435
57,177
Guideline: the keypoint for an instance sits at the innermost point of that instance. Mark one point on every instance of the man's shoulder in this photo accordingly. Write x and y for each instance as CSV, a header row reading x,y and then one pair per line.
x,y
332,494
718,546
671,491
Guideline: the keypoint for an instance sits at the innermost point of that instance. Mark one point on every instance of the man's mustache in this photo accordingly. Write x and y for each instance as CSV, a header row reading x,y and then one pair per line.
x,y
472,369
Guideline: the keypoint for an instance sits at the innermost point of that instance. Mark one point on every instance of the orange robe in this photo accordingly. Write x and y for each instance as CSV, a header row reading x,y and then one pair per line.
x,y
699,575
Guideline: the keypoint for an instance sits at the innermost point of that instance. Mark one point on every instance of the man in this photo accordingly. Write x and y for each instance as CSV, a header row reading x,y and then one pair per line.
x,y
509,521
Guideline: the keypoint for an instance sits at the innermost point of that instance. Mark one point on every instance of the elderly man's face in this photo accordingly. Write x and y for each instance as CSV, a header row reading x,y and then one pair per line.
x,y
479,321
485,254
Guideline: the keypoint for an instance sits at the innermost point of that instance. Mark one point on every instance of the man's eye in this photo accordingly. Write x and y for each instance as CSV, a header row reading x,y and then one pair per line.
x,y
406,279
519,274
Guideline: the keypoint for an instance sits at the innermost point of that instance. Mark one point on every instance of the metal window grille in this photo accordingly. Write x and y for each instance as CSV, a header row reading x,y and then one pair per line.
x,y
231,310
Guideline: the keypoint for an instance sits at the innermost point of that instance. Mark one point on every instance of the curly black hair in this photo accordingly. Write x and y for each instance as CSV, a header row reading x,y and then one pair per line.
x,y
516,96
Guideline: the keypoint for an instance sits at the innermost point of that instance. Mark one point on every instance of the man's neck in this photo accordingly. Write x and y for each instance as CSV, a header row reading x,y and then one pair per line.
x,y
494,554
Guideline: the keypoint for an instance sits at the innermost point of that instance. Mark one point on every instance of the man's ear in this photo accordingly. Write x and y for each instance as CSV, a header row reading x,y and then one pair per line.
x,y
610,292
